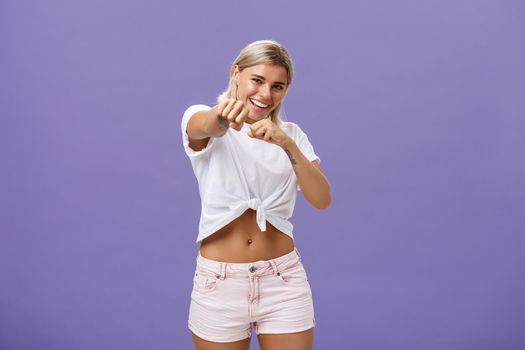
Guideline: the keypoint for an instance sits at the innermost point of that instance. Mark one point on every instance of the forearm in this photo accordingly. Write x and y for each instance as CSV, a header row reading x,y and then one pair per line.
x,y
313,183
205,124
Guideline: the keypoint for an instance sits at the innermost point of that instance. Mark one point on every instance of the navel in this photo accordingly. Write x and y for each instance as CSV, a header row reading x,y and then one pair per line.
x,y
249,241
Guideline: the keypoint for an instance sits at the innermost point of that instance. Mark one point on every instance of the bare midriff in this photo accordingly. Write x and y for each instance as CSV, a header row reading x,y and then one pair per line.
x,y
242,241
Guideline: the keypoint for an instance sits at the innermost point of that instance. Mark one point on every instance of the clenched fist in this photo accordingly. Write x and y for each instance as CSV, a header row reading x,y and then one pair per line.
x,y
232,113
267,130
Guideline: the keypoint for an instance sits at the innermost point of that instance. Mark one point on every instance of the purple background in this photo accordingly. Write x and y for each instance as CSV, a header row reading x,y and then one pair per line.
x,y
416,109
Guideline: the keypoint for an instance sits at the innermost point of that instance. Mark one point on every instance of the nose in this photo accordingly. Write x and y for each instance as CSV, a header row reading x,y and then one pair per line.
x,y
264,91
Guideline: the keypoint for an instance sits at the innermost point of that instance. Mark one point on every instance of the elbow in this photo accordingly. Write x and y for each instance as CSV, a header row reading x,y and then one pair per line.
x,y
324,204
320,199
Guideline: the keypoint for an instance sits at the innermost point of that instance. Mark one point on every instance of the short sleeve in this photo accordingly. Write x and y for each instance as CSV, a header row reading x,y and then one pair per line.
x,y
184,124
301,139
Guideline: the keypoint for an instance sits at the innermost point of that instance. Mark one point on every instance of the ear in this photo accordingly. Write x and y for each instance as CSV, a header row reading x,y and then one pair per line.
x,y
235,73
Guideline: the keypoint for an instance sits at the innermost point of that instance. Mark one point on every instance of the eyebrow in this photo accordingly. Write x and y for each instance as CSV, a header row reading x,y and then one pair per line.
x,y
261,77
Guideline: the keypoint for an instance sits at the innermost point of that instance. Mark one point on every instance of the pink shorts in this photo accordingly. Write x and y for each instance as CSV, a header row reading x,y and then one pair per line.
x,y
227,298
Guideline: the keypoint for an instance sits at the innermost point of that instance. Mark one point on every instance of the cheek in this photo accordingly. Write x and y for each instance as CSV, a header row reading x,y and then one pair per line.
x,y
246,90
278,97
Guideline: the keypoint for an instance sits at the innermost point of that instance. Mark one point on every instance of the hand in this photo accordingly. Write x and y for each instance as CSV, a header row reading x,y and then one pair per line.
x,y
268,131
233,112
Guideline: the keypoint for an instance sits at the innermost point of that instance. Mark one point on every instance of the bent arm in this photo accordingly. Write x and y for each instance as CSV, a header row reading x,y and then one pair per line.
x,y
313,183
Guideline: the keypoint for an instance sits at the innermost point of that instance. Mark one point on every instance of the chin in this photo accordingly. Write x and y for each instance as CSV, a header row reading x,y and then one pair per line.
x,y
255,118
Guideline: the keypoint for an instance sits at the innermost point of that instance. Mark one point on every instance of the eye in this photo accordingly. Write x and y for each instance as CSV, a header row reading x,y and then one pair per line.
x,y
278,87
257,80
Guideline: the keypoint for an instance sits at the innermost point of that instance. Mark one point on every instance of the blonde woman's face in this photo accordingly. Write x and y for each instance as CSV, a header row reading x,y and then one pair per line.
x,y
261,88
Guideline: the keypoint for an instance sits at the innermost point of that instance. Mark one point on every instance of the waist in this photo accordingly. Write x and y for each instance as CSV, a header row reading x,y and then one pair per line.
x,y
242,270
243,241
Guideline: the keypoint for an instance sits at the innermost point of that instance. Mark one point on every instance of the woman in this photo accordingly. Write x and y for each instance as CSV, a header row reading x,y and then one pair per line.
x,y
249,165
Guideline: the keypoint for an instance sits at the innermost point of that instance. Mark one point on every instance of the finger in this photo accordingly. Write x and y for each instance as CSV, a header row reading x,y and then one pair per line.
x,y
230,116
263,123
268,135
258,135
260,132
242,116
239,120
235,126
239,126
254,134
256,126
220,107
236,110
227,110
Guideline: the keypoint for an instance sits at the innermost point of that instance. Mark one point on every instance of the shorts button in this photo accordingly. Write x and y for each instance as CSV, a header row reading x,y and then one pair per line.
x,y
252,269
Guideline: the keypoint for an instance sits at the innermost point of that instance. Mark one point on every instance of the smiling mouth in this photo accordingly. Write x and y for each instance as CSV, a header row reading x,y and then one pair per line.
x,y
258,104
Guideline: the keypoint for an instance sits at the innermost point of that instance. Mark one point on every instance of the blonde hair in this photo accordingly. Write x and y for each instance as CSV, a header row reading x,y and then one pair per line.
x,y
261,52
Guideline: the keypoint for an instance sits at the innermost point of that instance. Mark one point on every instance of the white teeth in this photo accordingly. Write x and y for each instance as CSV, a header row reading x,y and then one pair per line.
x,y
258,104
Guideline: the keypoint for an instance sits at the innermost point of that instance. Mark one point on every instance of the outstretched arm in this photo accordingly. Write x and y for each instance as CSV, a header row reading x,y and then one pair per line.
x,y
215,122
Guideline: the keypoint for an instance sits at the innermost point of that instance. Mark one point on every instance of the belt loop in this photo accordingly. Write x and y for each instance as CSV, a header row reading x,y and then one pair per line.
x,y
223,271
299,255
274,267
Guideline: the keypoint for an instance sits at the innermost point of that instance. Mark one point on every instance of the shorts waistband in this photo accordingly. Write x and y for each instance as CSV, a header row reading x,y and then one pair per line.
x,y
257,268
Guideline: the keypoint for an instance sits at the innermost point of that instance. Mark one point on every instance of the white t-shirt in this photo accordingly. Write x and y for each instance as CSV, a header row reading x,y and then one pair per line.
x,y
236,172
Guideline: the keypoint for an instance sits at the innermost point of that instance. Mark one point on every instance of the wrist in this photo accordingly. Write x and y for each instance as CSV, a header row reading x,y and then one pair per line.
x,y
290,149
223,122
288,143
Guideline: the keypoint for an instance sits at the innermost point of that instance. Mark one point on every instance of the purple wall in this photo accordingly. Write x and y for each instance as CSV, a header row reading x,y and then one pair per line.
x,y
416,109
